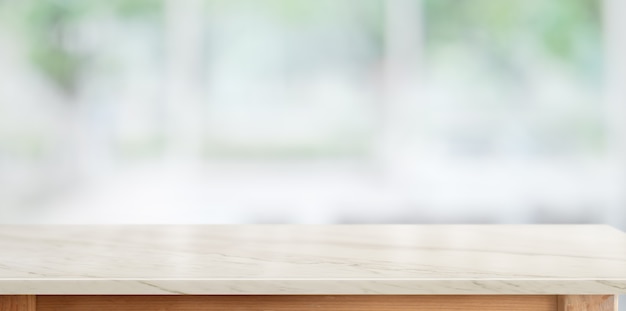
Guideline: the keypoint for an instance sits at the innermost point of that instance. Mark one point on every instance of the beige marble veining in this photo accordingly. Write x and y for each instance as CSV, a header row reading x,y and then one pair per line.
x,y
313,259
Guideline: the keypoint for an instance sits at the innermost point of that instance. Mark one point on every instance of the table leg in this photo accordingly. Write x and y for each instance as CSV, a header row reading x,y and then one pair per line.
x,y
18,303
587,303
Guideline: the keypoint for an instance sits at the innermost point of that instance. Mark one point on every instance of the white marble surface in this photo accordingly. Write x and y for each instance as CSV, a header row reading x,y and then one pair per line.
x,y
313,259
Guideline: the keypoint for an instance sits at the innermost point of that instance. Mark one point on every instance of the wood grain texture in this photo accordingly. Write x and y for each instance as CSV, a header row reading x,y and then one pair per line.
x,y
298,303
18,303
587,303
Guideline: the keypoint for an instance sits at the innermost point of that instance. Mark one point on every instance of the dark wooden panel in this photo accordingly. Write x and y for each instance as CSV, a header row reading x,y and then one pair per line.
x,y
297,303
17,303
587,303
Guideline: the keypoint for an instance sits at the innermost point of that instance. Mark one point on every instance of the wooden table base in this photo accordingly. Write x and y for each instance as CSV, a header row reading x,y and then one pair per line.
x,y
310,303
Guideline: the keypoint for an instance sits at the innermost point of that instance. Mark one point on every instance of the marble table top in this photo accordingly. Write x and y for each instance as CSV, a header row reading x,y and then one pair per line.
x,y
313,259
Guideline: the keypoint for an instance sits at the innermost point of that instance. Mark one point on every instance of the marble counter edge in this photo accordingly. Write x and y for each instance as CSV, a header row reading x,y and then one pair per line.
x,y
312,287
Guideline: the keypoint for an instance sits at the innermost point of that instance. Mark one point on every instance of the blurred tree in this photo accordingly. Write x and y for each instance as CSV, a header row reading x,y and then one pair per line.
x,y
568,30
49,28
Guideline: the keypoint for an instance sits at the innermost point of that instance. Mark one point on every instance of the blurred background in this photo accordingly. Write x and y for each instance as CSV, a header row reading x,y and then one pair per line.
x,y
313,111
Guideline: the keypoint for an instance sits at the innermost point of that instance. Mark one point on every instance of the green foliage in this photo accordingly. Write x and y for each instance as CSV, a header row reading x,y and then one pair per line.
x,y
48,26
135,8
60,66
568,30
